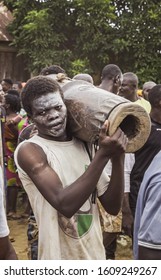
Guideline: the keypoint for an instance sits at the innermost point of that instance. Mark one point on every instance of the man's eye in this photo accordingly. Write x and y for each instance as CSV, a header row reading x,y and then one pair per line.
x,y
58,107
42,113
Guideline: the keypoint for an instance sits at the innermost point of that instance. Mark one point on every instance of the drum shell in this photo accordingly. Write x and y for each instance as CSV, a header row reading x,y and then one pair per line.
x,y
89,106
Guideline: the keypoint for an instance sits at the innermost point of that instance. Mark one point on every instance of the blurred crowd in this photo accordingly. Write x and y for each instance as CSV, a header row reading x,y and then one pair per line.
x,y
138,216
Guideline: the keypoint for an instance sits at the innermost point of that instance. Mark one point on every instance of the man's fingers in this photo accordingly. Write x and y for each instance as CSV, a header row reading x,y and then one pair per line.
x,y
118,133
121,136
104,128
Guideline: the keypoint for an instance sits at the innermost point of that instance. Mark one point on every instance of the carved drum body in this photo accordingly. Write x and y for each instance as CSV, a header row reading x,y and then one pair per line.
x,y
89,106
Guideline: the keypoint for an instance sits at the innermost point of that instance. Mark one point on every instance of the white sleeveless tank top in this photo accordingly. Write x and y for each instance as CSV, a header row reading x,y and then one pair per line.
x,y
80,237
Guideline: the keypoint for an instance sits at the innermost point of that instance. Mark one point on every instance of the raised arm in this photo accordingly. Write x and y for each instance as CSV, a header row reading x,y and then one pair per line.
x,y
33,161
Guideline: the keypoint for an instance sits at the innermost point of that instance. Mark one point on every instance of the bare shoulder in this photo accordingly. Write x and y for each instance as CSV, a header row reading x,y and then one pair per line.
x,y
29,148
30,154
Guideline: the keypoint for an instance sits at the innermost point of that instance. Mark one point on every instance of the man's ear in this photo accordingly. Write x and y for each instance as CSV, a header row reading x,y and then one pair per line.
x,y
116,79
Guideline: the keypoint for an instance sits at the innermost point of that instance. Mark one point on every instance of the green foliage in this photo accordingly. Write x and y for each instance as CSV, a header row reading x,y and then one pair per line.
x,y
85,35
138,29
80,66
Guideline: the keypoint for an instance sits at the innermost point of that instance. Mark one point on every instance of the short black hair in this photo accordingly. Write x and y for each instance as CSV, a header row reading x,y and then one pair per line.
x,y
110,71
13,92
132,77
53,69
8,81
154,95
14,102
35,87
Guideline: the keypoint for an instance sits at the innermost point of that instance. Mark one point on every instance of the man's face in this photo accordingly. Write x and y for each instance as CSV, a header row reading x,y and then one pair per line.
x,y
127,88
49,113
17,87
5,86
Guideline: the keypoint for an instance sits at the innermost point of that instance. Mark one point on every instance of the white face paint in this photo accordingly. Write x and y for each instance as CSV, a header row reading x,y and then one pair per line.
x,y
50,116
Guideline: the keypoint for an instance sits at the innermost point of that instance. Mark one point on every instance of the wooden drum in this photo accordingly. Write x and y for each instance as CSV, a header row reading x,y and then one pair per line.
x,y
89,107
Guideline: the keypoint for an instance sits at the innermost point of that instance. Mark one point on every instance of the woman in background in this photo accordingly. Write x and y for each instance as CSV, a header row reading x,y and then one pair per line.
x,y
11,132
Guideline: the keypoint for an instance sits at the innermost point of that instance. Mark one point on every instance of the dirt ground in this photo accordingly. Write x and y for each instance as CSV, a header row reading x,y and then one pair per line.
x,y
18,232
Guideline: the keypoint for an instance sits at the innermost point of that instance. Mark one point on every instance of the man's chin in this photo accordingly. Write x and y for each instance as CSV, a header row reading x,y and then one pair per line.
x,y
56,133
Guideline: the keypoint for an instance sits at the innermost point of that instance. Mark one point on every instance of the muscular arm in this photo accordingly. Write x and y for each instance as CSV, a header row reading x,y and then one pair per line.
x,y
68,200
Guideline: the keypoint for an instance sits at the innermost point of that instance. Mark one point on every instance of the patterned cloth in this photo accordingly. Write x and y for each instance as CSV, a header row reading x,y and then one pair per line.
x,y
10,146
109,222
32,233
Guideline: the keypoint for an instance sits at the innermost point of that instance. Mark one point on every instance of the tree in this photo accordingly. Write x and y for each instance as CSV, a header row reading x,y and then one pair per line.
x,y
61,32
138,33
88,34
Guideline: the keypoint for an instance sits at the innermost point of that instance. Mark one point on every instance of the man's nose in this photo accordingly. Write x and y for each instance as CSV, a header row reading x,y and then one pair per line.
x,y
53,114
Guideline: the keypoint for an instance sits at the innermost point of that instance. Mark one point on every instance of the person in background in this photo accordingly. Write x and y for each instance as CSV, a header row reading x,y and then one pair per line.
x,y
146,88
12,107
85,77
114,225
57,73
52,176
6,85
129,89
13,92
111,78
7,251
147,225
17,86
52,69
24,122
145,155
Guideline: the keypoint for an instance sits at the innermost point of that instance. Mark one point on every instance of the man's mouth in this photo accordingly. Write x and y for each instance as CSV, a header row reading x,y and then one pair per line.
x,y
56,126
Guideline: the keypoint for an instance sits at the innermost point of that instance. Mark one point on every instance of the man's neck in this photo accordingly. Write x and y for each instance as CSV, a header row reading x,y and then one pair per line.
x,y
107,85
155,115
